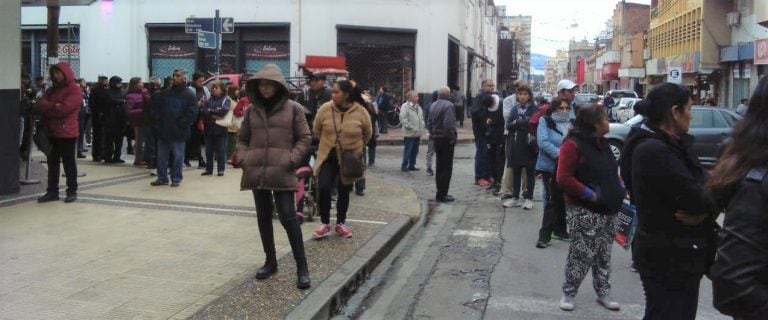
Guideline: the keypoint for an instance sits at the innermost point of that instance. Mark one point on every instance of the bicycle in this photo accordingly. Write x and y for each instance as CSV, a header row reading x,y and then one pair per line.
x,y
393,117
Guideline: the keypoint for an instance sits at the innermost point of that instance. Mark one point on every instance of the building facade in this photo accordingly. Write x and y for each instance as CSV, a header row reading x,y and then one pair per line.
x,y
401,44
521,27
741,66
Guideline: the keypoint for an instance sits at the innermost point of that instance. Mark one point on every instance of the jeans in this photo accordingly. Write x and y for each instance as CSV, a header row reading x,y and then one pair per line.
x,y
138,149
372,150
410,151
82,121
286,212
326,180
444,166
382,118
62,151
530,178
481,158
97,146
553,219
670,298
215,143
163,149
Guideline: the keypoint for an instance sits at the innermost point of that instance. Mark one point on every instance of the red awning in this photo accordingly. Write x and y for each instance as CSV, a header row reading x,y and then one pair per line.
x,y
325,65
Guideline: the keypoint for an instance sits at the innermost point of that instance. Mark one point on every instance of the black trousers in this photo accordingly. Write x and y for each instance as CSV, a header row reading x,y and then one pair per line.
x,y
194,143
443,165
496,161
517,179
554,209
62,151
326,181
97,145
113,145
286,212
670,298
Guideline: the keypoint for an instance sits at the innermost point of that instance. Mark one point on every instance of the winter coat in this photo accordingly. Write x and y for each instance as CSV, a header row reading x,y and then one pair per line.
x,y
549,139
411,116
215,108
272,140
442,120
173,112
135,107
60,105
494,122
666,177
354,124
478,125
113,120
740,273
519,152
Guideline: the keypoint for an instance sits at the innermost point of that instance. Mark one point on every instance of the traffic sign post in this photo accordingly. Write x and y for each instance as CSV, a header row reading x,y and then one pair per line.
x,y
209,32
675,75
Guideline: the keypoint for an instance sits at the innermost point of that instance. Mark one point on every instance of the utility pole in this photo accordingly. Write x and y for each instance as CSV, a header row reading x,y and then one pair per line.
x,y
217,30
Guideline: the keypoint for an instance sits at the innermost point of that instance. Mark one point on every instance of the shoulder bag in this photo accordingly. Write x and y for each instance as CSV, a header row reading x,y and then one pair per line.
x,y
226,120
351,162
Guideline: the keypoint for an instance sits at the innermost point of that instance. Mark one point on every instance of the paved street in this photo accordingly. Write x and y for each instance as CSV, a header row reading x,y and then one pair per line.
x,y
473,259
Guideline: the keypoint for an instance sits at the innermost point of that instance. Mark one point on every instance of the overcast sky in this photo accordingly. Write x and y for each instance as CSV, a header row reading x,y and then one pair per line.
x,y
555,22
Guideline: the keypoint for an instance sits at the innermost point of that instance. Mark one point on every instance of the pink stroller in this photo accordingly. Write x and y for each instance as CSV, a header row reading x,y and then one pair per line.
x,y
306,206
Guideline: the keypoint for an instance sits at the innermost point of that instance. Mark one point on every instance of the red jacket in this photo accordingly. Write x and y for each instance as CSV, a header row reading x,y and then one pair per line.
x,y
60,105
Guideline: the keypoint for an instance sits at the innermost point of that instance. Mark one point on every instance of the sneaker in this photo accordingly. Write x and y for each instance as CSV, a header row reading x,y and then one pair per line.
x,y
561,237
343,231
528,204
542,244
608,303
483,183
567,303
322,231
430,172
511,202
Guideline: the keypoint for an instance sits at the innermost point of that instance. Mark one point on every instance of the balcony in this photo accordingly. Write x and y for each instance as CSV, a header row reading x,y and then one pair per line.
x,y
613,56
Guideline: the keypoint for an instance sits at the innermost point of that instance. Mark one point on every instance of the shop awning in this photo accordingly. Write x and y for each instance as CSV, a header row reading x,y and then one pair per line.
x,y
325,65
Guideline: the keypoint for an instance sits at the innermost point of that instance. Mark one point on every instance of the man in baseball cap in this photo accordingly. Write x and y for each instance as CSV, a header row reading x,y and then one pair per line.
x,y
566,90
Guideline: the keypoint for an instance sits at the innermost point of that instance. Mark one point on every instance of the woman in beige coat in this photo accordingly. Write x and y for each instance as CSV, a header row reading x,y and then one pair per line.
x,y
344,116
273,139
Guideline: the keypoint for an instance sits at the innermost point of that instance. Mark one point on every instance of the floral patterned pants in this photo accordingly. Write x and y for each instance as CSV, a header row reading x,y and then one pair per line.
x,y
591,239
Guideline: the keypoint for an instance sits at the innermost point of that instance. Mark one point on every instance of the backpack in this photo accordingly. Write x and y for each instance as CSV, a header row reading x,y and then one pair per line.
x,y
533,125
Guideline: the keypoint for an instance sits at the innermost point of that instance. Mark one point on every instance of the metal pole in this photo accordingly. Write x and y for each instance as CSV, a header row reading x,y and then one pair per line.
x,y
217,29
69,42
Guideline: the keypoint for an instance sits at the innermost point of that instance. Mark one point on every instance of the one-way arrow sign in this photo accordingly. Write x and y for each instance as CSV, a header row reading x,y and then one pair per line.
x,y
227,25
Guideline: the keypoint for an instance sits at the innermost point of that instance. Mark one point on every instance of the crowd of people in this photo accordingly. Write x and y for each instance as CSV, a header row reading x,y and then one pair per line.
x,y
517,138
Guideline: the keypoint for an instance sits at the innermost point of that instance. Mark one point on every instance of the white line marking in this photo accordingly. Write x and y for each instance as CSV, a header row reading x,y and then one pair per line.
x,y
178,206
84,185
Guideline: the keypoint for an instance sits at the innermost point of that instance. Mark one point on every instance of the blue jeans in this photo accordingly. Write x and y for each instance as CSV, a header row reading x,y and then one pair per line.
x,y
215,143
410,151
481,159
165,147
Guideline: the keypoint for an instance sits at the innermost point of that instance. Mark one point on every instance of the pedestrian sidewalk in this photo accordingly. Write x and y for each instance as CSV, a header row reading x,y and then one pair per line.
x,y
126,250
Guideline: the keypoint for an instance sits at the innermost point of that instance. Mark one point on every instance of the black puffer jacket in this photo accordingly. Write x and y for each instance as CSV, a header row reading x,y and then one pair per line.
x,y
666,178
740,273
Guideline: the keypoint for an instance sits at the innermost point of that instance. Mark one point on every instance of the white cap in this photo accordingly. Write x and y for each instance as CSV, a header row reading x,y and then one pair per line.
x,y
565,84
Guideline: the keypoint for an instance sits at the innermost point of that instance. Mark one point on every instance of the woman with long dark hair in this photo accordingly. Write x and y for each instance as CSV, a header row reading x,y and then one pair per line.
x,y
675,238
273,140
588,175
740,187
342,122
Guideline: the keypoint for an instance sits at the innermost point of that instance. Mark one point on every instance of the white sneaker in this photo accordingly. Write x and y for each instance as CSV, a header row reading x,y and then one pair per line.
x,y
528,204
511,202
608,303
567,303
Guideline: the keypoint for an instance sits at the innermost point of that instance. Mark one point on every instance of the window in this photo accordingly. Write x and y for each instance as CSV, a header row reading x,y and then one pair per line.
x,y
707,119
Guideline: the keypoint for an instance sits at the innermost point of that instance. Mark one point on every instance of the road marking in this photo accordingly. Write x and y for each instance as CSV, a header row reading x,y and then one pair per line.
x,y
478,238
191,207
82,185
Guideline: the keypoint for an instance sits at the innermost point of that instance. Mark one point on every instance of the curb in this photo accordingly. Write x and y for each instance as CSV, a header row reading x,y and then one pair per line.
x,y
324,300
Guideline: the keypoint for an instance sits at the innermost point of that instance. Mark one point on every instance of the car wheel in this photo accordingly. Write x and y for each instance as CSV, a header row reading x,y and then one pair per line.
x,y
616,147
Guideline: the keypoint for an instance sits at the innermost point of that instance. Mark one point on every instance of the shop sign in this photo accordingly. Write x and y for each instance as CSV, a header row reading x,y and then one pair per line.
x,y
761,51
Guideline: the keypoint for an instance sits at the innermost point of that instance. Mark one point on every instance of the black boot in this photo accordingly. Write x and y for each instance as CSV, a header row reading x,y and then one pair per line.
x,y
269,268
302,274
48,197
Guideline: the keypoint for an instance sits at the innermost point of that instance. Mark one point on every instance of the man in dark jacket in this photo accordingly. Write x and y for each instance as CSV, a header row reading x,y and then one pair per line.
x,y
174,111
314,95
482,172
97,102
442,130
384,101
59,107
113,121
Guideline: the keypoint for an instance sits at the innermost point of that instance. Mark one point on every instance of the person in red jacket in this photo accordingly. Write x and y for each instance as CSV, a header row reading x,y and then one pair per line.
x,y
59,107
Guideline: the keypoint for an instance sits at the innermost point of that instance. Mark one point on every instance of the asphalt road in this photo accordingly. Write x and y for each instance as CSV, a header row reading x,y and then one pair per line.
x,y
474,259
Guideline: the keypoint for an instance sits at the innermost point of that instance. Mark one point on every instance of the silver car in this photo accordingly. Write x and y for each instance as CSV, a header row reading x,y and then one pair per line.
x,y
711,127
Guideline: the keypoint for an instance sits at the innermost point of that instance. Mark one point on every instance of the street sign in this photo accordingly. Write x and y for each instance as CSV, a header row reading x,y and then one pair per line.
x,y
193,25
227,25
206,40
675,75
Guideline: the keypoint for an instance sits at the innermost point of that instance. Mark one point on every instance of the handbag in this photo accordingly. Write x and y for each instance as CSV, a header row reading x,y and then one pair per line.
x,y
351,163
226,120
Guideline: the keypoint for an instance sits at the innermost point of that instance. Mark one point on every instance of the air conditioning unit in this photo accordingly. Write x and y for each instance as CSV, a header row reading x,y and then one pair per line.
x,y
733,18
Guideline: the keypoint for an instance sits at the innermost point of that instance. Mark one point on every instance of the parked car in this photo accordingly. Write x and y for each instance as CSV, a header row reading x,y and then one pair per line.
x,y
624,109
618,94
710,126
584,98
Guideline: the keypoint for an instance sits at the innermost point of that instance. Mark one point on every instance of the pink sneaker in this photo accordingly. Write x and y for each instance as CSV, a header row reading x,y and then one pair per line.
x,y
483,183
343,231
322,231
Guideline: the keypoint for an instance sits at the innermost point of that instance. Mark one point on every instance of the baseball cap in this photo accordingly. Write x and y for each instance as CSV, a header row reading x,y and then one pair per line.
x,y
565,84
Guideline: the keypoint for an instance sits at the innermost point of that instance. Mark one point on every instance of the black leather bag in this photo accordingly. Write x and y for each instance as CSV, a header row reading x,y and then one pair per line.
x,y
351,163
